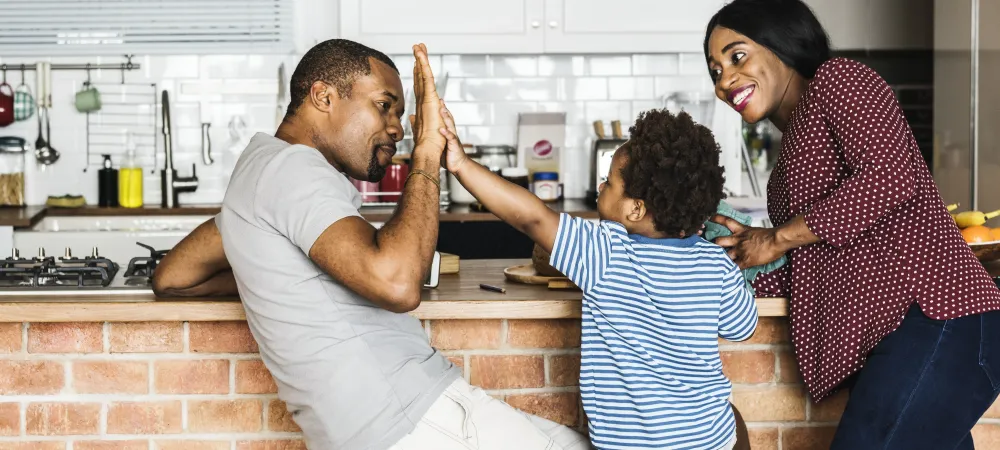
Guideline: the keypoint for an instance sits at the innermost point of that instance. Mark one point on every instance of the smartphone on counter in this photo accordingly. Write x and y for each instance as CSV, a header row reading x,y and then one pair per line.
x,y
432,276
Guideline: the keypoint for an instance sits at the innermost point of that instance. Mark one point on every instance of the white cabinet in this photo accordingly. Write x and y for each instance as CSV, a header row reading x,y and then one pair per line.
x,y
877,24
528,26
627,26
446,26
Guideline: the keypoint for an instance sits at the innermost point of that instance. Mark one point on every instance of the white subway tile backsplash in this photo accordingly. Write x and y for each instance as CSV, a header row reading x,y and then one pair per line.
x,y
484,92
609,65
505,113
655,64
630,88
465,65
608,111
693,64
688,83
514,66
470,113
575,111
498,135
561,66
583,89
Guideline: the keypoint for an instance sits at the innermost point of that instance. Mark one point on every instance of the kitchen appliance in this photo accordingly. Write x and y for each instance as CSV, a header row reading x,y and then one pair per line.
x,y
497,157
71,276
965,159
603,151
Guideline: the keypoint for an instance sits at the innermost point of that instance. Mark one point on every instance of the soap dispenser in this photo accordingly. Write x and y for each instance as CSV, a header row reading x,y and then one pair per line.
x,y
107,185
130,178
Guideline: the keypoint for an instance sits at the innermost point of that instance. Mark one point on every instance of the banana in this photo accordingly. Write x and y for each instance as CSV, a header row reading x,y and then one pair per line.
x,y
952,207
967,219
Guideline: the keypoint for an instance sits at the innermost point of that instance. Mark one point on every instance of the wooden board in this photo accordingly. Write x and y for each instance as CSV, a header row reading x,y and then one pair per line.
x,y
563,283
526,274
449,263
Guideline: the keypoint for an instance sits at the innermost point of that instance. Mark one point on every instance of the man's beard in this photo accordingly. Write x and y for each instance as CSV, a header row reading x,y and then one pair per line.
x,y
375,171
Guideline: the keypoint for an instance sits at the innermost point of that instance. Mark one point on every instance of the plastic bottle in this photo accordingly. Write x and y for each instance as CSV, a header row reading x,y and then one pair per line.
x,y
107,185
130,178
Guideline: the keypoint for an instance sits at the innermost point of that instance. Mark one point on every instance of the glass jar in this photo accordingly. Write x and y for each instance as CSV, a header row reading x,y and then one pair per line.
x,y
12,163
546,186
497,157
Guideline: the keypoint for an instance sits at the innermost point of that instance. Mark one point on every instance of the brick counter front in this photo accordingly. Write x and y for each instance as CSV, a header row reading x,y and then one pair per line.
x,y
202,386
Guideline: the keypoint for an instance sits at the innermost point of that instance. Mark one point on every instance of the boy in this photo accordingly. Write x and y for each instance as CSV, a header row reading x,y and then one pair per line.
x,y
655,294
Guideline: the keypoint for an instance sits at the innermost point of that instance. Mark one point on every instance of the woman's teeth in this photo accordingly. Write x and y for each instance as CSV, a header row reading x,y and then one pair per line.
x,y
742,95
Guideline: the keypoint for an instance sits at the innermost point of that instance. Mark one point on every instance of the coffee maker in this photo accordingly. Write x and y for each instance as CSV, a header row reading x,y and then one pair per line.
x,y
603,152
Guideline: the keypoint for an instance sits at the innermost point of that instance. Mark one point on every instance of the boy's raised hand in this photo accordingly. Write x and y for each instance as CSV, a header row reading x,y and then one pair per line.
x,y
455,156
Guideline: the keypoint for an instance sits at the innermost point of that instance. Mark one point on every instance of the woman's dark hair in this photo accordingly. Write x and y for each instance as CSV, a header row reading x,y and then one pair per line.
x,y
673,166
786,27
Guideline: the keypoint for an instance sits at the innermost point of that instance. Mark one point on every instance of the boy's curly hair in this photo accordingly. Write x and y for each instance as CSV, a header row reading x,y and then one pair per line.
x,y
673,166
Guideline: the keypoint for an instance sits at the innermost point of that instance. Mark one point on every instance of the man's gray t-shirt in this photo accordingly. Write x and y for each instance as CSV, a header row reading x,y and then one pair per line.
x,y
354,375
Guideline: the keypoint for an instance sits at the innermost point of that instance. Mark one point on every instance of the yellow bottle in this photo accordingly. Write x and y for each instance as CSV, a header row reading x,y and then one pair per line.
x,y
130,179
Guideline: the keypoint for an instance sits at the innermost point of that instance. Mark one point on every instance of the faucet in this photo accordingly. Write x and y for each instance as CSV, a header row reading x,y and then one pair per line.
x,y
170,184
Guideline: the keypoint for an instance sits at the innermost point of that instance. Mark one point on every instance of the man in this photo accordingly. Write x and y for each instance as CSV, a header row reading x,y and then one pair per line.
x,y
325,293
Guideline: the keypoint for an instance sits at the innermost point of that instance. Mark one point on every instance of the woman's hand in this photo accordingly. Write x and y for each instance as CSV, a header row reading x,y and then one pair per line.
x,y
749,246
752,246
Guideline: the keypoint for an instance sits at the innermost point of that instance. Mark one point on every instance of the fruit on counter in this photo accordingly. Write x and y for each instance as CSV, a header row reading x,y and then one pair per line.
x,y
540,259
967,219
976,234
995,234
952,207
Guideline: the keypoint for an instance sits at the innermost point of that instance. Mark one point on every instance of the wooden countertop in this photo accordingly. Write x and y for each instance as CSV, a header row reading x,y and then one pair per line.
x,y
454,213
21,217
456,297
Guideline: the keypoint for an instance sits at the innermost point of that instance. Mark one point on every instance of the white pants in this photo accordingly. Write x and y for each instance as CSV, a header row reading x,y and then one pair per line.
x,y
466,418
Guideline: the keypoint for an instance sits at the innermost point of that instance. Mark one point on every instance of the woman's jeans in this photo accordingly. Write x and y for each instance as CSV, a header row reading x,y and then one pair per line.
x,y
924,385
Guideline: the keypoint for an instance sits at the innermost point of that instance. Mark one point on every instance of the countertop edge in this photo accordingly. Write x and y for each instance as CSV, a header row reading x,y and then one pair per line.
x,y
25,217
212,310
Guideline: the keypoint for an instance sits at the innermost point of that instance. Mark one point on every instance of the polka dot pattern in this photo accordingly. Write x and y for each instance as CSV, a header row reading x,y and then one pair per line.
x,y
850,164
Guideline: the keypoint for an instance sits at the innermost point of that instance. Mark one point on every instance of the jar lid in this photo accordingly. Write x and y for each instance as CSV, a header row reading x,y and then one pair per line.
x,y
514,172
12,144
496,149
546,176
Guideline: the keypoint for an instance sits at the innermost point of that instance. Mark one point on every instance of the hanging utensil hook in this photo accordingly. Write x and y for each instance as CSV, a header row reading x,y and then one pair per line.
x,y
87,83
4,68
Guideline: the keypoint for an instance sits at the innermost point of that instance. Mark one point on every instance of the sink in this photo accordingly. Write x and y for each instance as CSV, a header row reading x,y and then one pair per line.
x,y
114,236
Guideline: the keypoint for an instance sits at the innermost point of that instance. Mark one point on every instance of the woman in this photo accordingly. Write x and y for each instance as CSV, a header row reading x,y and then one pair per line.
x,y
886,297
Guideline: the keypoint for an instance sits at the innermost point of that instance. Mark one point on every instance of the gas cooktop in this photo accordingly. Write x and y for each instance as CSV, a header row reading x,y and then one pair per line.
x,y
70,275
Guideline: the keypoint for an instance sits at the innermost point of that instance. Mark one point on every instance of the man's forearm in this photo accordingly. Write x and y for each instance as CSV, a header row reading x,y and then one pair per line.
x,y
409,237
511,203
220,284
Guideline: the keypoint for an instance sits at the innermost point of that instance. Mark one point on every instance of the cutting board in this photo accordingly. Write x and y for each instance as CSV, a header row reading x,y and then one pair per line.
x,y
526,274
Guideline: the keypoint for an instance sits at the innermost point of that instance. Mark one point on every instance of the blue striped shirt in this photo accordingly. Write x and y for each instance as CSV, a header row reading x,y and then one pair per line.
x,y
653,309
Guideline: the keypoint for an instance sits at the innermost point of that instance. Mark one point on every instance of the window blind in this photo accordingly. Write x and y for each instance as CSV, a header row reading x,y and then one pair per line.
x,y
106,27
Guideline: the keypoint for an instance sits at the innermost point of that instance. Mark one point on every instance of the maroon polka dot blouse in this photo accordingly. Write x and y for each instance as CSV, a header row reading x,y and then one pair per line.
x,y
850,164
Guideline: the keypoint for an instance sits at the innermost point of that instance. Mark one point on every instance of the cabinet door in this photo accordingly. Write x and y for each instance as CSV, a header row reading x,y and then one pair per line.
x,y
446,26
845,22
627,26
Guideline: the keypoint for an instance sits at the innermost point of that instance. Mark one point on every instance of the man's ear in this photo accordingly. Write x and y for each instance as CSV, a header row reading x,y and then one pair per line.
x,y
321,96
637,210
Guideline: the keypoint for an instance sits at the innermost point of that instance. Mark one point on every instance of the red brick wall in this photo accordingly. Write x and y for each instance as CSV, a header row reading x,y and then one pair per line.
x,y
202,386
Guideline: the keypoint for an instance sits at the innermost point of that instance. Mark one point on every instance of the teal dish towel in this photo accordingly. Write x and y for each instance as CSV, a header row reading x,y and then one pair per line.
x,y
714,230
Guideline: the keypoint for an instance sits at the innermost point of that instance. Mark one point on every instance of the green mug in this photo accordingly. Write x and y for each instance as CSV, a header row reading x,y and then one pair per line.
x,y
24,103
88,99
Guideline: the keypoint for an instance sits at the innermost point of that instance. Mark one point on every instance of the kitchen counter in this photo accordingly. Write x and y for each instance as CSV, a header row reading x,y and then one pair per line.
x,y
29,216
457,296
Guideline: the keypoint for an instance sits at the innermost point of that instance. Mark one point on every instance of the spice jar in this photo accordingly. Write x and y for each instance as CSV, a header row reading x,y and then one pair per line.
x,y
546,186
12,160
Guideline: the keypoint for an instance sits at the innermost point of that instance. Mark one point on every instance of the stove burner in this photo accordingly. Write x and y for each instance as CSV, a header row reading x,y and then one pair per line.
x,y
49,271
144,266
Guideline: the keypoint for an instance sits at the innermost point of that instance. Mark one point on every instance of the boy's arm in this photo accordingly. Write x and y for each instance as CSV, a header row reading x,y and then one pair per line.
x,y
738,312
508,201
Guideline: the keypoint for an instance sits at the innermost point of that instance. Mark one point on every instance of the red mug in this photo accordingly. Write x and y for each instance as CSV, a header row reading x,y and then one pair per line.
x,y
394,180
6,105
